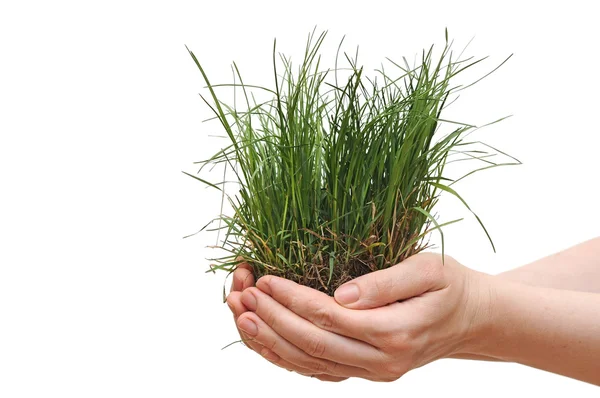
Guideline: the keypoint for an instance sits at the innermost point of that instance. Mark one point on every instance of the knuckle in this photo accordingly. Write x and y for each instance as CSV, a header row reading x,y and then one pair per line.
x,y
375,331
289,301
433,269
253,346
391,340
334,369
268,354
270,319
389,379
381,285
280,291
393,371
323,318
315,366
401,341
315,346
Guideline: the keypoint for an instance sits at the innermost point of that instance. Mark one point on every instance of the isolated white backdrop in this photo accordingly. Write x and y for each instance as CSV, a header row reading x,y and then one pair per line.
x,y
99,113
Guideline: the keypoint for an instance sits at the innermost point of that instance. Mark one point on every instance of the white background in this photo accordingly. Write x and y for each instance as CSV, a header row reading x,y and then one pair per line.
x,y
99,113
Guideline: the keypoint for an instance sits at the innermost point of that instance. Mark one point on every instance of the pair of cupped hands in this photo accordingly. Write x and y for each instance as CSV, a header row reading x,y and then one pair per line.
x,y
378,326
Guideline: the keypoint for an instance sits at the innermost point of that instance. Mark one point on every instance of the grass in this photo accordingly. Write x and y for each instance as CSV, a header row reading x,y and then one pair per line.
x,y
338,173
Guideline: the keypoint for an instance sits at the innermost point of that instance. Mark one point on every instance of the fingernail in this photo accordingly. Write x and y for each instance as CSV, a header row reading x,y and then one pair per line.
x,y
235,284
248,326
347,294
249,300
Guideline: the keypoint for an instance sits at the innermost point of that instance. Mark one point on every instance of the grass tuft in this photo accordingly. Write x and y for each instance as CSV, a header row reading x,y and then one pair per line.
x,y
339,173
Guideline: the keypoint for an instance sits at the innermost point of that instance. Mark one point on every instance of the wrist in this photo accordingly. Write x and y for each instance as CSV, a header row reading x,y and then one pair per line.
x,y
480,320
498,328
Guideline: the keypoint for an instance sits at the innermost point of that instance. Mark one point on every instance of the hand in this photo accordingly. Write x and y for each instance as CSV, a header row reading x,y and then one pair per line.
x,y
243,278
378,326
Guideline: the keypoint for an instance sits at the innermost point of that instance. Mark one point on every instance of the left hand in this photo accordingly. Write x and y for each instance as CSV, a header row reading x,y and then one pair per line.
x,y
378,326
243,278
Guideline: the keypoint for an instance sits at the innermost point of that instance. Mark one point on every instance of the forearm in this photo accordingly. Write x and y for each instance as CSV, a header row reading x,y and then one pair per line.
x,y
576,268
550,329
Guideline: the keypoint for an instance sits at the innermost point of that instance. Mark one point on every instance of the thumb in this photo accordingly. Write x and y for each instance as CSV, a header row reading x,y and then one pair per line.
x,y
412,277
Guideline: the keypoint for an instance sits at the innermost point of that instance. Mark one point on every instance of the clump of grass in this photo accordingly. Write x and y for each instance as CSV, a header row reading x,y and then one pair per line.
x,y
338,173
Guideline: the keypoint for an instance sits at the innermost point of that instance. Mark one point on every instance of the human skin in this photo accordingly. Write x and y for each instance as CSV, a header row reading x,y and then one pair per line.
x,y
542,315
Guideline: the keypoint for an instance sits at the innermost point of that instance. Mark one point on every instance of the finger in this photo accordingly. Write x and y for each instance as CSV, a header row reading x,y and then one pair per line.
x,y
275,359
236,305
308,337
412,277
319,308
237,308
255,327
242,278
243,264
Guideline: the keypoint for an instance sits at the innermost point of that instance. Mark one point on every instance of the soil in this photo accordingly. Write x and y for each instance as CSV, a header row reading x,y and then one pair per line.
x,y
317,275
